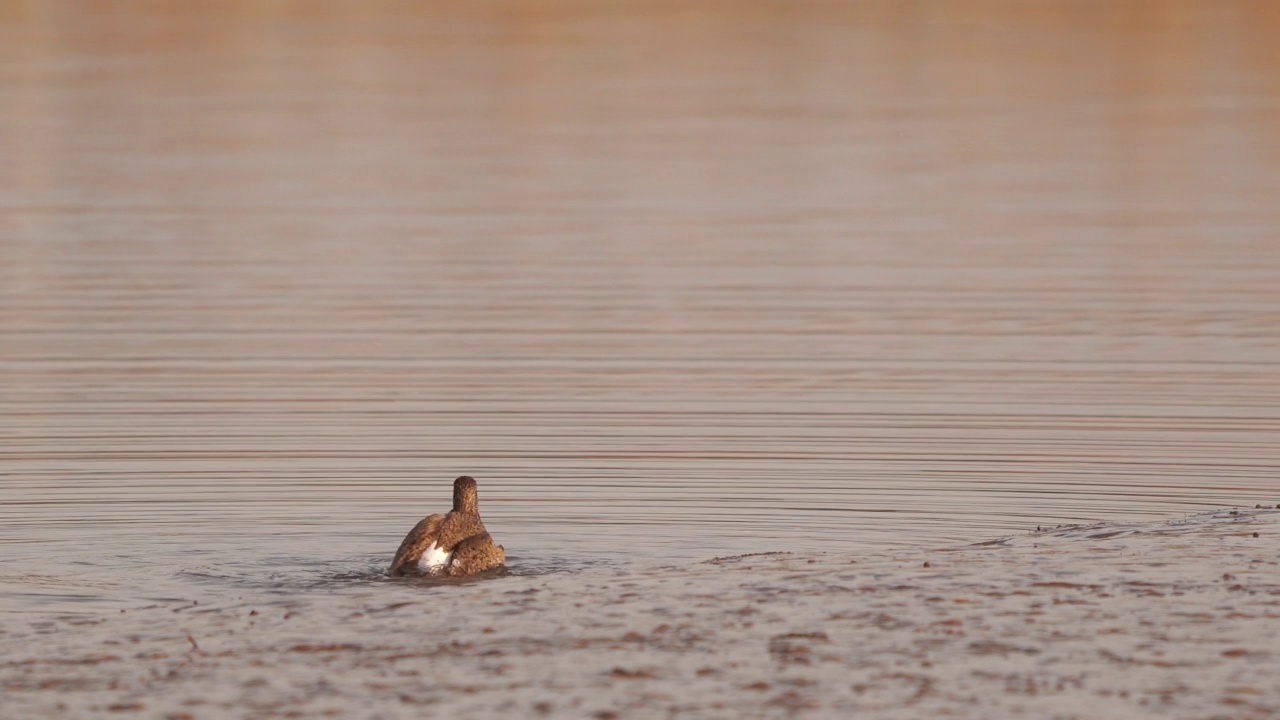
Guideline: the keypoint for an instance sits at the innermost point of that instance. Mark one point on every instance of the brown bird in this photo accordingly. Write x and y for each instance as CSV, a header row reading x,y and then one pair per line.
x,y
453,544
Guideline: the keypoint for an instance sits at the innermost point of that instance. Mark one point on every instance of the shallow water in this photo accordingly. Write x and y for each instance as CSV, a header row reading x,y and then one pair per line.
x,y
673,283
1124,620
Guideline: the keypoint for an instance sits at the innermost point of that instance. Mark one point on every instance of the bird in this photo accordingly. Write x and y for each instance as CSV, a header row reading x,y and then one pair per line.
x,y
454,544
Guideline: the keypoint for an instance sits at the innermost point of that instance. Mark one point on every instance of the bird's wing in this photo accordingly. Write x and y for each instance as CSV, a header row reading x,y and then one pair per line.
x,y
476,554
415,543
456,527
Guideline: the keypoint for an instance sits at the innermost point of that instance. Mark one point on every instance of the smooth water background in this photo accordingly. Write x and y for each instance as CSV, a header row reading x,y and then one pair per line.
x,y
673,282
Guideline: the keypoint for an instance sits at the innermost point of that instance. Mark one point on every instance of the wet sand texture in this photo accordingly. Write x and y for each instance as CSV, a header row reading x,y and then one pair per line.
x,y
1176,619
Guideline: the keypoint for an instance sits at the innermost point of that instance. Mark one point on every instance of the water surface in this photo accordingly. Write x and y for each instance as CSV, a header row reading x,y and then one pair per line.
x,y
673,283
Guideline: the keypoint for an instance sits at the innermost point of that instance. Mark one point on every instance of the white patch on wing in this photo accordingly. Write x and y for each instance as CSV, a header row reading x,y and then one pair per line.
x,y
434,560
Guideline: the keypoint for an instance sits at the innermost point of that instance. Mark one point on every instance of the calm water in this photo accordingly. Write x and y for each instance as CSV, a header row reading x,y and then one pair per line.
x,y
670,282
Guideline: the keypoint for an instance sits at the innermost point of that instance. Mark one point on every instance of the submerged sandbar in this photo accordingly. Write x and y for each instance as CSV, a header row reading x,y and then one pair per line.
x,y
1164,619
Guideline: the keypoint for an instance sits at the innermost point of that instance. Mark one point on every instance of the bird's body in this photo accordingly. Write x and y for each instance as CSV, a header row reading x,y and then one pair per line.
x,y
453,544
